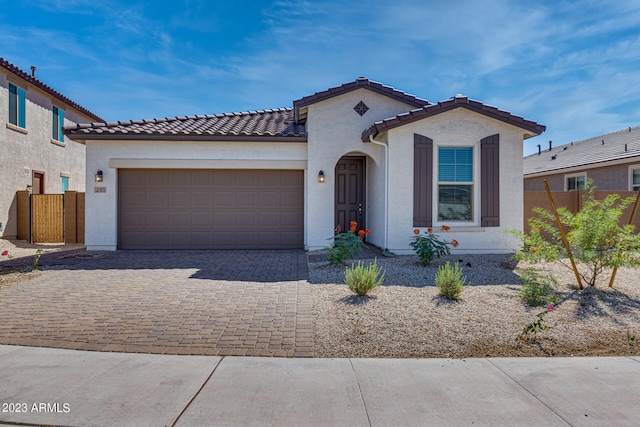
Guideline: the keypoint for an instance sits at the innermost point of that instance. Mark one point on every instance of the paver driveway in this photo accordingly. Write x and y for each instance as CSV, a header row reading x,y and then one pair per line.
x,y
173,302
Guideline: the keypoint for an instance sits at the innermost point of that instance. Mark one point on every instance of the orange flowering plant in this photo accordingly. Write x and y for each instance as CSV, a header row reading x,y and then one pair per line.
x,y
429,247
347,245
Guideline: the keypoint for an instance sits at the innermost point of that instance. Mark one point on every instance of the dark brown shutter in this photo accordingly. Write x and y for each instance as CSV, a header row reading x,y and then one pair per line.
x,y
490,181
422,181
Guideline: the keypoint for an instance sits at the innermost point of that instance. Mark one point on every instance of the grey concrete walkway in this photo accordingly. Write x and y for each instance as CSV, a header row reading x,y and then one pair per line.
x,y
241,303
40,386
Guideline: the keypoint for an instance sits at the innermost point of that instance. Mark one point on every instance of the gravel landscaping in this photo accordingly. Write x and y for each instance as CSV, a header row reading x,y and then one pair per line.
x,y
407,318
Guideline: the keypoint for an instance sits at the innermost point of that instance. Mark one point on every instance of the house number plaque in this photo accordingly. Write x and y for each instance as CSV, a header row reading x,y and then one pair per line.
x,y
99,189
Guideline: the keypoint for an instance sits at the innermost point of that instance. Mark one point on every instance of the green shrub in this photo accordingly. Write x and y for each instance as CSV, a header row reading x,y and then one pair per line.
x,y
429,246
450,281
538,289
595,236
347,245
361,279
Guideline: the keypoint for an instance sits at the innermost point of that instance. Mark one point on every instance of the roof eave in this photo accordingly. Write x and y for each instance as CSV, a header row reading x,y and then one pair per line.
x,y
106,136
534,128
16,71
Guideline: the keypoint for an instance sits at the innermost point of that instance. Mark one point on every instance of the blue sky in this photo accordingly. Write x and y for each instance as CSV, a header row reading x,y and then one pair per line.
x,y
573,66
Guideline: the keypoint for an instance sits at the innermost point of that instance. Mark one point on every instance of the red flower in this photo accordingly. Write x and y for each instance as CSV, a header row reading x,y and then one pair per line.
x,y
454,243
430,230
5,253
352,226
445,228
416,231
361,233
367,231
533,251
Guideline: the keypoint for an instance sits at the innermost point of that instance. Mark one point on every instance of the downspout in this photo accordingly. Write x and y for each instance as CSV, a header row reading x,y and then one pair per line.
x,y
386,190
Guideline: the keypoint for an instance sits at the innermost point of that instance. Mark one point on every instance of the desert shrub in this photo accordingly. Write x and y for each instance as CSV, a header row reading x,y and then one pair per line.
x,y
595,236
538,289
450,281
429,246
363,278
347,245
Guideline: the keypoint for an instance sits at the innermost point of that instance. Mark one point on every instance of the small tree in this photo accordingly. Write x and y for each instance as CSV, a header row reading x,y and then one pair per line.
x,y
595,237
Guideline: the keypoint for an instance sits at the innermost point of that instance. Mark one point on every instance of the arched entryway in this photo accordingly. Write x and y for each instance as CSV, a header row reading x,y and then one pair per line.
x,y
350,192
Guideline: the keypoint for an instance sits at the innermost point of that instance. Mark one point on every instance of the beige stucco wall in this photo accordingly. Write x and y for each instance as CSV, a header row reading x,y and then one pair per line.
x,y
23,153
101,208
458,127
335,130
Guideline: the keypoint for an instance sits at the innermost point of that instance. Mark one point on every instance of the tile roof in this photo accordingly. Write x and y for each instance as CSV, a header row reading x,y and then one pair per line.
x,y
275,124
359,83
457,101
586,152
27,77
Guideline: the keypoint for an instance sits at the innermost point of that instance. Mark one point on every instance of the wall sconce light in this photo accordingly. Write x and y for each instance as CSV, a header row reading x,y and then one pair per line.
x,y
321,176
99,176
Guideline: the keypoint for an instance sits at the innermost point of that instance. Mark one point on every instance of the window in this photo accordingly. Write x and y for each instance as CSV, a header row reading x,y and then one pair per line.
x,y
65,183
455,183
634,177
17,110
575,181
58,123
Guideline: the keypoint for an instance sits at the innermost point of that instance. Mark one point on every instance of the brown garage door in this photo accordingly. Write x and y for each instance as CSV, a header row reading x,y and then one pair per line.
x,y
210,209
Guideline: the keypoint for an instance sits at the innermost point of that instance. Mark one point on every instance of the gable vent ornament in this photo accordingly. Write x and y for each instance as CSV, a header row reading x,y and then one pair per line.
x,y
361,108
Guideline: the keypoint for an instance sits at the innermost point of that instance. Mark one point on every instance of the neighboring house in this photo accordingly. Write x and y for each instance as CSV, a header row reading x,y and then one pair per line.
x,y
36,155
286,178
611,160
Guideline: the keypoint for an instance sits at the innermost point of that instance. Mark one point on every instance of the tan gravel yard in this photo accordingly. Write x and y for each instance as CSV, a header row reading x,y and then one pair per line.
x,y
406,317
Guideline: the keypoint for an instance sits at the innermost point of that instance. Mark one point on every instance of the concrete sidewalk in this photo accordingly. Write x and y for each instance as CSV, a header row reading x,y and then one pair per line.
x,y
41,386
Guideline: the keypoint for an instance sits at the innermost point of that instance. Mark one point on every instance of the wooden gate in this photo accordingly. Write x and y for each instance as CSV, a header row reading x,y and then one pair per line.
x,y
47,218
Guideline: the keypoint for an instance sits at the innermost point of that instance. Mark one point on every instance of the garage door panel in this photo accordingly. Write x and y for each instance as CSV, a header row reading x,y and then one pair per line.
x,y
155,179
224,178
156,219
133,219
179,179
246,239
179,199
155,199
178,219
201,199
246,219
251,180
246,199
133,199
290,199
226,199
210,209
267,199
225,219
180,240
201,219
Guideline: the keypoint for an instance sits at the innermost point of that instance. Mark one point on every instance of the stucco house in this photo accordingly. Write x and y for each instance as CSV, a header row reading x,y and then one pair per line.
x,y
36,154
287,177
612,161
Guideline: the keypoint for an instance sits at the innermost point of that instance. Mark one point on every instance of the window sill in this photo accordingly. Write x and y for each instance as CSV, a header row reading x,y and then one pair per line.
x,y
17,128
58,143
468,229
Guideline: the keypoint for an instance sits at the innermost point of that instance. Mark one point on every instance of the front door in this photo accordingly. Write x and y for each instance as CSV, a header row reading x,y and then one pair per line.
x,y
349,193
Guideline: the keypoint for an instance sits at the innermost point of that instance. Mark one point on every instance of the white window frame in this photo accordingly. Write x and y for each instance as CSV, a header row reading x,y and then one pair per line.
x,y
630,176
573,175
475,187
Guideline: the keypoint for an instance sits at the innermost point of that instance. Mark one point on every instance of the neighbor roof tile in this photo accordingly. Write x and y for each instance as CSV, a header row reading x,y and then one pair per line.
x,y
274,123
